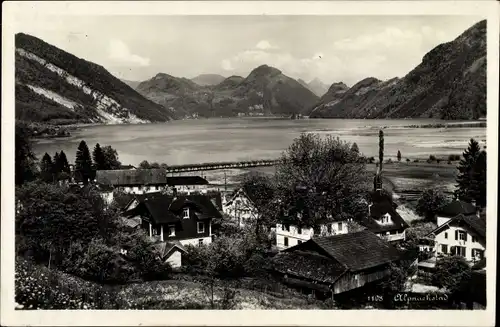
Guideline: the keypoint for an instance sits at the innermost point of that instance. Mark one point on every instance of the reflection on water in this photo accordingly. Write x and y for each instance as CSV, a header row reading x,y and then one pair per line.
x,y
232,139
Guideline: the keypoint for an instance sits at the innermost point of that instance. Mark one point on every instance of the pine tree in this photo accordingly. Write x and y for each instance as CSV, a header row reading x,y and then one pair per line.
x,y
47,168
64,163
466,171
477,190
99,159
83,163
355,147
56,166
399,155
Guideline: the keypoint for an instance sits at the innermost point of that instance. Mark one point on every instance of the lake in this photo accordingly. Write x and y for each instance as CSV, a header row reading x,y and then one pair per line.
x,y
234,139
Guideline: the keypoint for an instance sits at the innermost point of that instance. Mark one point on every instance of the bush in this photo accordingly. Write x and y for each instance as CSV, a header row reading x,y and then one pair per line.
x,y
453,157
408,160
432,157
416,160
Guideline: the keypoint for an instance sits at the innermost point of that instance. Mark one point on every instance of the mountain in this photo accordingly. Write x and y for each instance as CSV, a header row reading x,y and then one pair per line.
x,y
317,87
208,79
55,87
449,83
265,91
132,84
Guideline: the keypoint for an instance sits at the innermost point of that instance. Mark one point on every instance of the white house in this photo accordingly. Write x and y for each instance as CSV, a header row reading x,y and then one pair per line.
x,y
240,208
188,184
385,221
463,235
288,235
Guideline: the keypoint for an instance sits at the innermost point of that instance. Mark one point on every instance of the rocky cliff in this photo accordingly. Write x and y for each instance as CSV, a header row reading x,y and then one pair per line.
x,y
55,87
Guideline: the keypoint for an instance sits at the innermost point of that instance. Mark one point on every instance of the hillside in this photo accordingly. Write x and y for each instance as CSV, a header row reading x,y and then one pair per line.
x,y
450,83
265,91
317,87
132,84
55,87
208,79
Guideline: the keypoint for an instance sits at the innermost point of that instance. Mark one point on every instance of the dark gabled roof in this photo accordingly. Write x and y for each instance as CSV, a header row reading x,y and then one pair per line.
x,y
309,265
477,224
166,208
358,251
377,210
457,207
186,180
165,248
132,177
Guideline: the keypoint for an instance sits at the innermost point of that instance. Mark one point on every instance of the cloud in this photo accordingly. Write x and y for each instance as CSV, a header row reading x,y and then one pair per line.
x,y
265,45
119,51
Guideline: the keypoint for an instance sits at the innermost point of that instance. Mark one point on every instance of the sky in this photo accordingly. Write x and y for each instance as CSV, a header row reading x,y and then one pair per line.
x,y
332,48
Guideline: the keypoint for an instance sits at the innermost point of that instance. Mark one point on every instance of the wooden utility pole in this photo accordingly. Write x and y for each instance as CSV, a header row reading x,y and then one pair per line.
x,y
225,181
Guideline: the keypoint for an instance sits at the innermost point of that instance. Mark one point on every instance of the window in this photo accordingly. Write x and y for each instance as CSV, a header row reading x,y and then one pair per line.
x,y
200,242
317,230
328,229
474,239
185,213
458,250
171,230
340,226
201,227
286,228
444,248
460,235
299,242
477,254
299,230
286,241
446,235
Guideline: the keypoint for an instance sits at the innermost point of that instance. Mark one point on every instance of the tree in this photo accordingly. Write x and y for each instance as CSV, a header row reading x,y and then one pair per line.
x,y
477,190
155,165
25,160
111,158
319,179
99,159
83,163
395,282
64,164
452,273
467,189
399,155
430,202
261,192
355,147
144,165
381,148
47,168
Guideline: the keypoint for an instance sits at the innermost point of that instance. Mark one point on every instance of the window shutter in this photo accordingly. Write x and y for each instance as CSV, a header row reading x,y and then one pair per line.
x,y
465,237
456,235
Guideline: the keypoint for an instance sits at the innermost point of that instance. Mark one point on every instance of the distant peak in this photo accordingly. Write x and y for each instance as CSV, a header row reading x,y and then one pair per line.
x,y
265,70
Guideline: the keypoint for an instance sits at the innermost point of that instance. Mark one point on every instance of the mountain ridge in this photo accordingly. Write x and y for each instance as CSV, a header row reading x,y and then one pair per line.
x,y
449,83
56,87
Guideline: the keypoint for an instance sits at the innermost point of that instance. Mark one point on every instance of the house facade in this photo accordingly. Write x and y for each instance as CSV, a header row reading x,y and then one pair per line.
x,y
461,231
188,184
331,265
133,181
288,235
168,217
240,208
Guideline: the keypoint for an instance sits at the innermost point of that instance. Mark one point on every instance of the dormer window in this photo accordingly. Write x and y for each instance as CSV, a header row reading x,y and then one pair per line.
x,y
185,213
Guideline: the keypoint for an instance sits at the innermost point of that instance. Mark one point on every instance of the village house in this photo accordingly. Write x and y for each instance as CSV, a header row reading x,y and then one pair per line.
x,y
188,184
461,231
385,221
171,217
240,207
331,265
288,235
135,181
